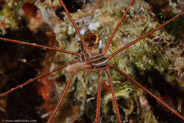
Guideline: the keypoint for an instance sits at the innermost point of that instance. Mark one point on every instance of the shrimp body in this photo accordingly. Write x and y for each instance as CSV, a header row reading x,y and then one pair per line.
x,y
89,62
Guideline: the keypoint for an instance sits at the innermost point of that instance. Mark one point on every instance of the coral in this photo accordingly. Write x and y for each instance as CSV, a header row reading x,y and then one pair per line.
x,y
156,61
138,61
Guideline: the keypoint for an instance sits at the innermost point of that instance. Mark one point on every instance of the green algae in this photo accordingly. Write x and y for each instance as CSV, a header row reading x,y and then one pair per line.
x,y
152,55
144,57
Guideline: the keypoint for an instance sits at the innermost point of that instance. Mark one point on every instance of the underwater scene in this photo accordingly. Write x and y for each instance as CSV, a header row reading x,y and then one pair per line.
x,y
156,61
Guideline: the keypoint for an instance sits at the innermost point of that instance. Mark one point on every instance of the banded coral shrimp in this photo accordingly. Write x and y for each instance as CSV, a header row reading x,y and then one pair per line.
x,y
126,110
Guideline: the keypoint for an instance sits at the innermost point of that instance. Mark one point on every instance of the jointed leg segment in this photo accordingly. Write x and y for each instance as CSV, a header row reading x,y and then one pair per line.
x,y
115,30
39,46
75,26
36,78
146,90
113,96
144,36
98,97
61,99
99,71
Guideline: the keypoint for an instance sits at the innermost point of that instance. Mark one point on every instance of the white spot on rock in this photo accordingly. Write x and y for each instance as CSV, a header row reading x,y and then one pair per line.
x,y
82,31
94,26
71,30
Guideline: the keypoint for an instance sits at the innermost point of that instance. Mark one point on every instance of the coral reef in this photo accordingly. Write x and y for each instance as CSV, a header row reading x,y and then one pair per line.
x,y
156,62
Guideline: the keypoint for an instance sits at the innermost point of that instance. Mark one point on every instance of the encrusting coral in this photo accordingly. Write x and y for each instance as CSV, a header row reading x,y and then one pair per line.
x,y
156,61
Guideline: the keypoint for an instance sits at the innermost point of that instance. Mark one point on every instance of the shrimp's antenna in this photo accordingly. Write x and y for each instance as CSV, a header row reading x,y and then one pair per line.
x,y
75,26
61,99
36,78
147,34
146,90
98,97
39,46
115,30
113,96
